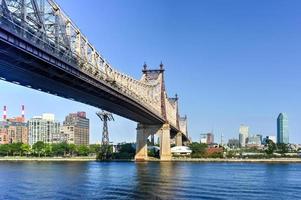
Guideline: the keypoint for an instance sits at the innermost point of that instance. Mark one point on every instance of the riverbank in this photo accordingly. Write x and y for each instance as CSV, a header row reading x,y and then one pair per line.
x,y
204,160
48,159
237,160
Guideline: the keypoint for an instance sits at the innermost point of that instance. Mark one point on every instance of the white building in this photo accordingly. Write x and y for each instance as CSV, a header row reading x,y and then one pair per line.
x,y
254,140
181,150
243,135
43,128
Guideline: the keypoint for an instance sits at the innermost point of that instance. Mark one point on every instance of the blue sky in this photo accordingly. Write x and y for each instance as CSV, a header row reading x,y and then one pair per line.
x,y
231,62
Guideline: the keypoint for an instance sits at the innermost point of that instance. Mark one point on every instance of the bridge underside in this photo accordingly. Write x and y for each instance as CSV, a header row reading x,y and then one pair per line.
x,y
23,67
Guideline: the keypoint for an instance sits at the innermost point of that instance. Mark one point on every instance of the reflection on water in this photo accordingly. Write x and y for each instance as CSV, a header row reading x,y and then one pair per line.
x,y
153,180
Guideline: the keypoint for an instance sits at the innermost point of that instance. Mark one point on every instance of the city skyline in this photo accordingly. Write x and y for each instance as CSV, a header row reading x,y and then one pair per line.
x,y
236,80
22,114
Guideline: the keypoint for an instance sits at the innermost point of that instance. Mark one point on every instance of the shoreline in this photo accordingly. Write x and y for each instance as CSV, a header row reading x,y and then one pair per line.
x,y
200,160
48,159
238,160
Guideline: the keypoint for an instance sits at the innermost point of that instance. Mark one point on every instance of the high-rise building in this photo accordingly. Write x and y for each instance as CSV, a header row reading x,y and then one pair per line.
x,y
243,135
75,129
43,128
282,129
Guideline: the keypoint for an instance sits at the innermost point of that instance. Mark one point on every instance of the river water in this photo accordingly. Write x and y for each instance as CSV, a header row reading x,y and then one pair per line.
x,y
153,180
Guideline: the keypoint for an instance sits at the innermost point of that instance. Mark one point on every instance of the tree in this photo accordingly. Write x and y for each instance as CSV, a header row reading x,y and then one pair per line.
x,y
15,148
72,149
38,147
105,152
48,150
60,149
126,151
4,149
282,148
25,149
94,148
83,150
271,147
198,150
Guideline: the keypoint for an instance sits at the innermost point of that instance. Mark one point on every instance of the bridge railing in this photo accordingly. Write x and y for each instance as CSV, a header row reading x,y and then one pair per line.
x,y
171,113
80,53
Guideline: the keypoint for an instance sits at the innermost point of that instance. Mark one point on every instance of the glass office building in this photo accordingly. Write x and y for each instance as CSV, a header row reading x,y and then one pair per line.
x,y
282,129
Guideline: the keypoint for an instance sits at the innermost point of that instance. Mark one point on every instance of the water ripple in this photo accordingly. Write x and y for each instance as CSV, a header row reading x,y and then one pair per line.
x,y
93,180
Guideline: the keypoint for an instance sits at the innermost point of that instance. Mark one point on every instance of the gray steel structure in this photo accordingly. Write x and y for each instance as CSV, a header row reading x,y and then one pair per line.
x,y
105,117
41,48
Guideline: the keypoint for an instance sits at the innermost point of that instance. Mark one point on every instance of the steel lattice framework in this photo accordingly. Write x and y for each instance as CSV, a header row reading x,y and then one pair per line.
x,y
43,23
105,117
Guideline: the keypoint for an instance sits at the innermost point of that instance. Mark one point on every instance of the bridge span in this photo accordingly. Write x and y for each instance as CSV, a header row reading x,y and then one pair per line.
x,y
41,48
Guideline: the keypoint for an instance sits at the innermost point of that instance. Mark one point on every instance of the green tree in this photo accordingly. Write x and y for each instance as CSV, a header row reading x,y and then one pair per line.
x,y
126,151
83,150
15,148
231,154
271,147
282,148
94,148
48,150
4,149
38,148
105,152
25,149
198,150
72,149
60,149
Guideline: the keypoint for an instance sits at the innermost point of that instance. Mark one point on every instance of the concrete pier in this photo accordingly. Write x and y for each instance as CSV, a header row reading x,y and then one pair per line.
x,y
141,143
165,151
179,141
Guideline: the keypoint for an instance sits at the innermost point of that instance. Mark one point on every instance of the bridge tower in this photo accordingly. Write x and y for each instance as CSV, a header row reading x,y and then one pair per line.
x,y
105,117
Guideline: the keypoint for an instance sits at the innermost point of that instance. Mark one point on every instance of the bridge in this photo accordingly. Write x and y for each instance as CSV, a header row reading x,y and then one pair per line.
x,y
41,48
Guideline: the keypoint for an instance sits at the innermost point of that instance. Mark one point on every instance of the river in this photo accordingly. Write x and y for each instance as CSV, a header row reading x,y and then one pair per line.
x,y
153,180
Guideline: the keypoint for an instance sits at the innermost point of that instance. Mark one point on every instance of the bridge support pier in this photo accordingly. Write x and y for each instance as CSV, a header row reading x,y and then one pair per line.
x,y
143,132
179,141
165,151
141,143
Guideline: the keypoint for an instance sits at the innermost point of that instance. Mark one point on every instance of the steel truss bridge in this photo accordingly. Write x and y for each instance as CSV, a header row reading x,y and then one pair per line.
x,y
41,48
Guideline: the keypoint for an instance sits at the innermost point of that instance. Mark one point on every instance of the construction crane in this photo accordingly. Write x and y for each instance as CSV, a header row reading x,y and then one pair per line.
x,y
105,117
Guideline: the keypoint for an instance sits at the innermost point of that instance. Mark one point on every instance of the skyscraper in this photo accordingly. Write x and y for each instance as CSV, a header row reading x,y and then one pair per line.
x,y
243,135
76,129
282,129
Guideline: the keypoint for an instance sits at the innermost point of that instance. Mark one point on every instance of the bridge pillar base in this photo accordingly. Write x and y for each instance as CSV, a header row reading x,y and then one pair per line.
x,y
165,151
179,141
141,143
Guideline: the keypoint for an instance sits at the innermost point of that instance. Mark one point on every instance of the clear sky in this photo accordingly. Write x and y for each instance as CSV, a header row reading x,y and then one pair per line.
x,y
231,62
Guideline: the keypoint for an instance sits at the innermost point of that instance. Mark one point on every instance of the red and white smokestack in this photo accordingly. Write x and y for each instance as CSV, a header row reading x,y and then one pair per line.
x,y
23,112
4,113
